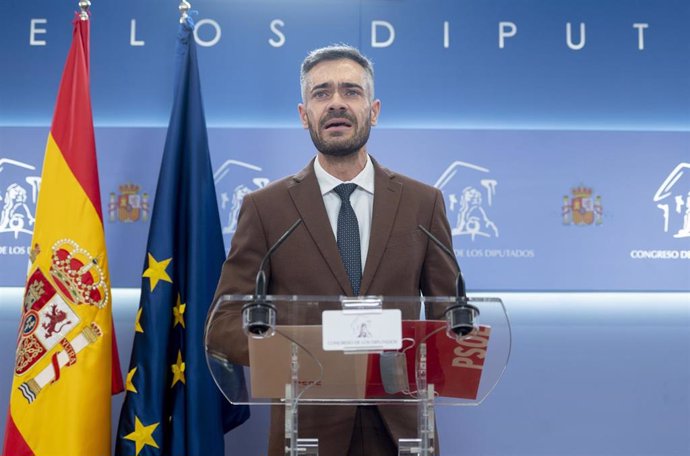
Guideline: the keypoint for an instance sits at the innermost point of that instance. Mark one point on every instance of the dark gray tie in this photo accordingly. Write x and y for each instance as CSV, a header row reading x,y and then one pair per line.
x,y
348,236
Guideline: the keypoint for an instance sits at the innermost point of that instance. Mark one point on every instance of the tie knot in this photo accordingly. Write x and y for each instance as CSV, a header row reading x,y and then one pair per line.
x,y
345,190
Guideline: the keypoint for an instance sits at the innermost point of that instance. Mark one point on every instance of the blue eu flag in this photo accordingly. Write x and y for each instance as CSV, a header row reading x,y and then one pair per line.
x,y
172,406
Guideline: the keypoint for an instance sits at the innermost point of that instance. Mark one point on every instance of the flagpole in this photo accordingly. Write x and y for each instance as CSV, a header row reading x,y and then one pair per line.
x,y
84,6
184,10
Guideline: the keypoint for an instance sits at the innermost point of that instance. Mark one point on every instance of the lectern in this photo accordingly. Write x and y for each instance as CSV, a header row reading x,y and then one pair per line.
x,y
333,351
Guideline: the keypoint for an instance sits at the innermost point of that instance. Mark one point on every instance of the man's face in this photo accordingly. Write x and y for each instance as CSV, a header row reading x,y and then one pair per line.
x,y
337,109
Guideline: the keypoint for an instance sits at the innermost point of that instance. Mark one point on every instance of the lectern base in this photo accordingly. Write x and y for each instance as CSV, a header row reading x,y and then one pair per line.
x,y
305,447
408,447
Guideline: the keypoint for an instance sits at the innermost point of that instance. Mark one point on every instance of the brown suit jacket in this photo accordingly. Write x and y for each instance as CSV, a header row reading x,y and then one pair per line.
x,y
401,261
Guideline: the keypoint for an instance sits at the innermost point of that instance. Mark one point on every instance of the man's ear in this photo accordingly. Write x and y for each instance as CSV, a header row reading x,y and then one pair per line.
x,y
375,110
303,115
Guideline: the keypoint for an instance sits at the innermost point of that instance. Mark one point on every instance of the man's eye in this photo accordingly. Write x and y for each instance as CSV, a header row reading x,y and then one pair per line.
x,y
320,94
352,93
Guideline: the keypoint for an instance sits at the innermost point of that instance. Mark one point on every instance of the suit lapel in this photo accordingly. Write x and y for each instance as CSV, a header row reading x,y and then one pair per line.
x,y
306,194
387,194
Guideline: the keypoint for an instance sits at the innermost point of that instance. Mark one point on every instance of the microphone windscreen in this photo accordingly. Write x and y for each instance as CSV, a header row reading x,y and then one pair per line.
x,y
394,372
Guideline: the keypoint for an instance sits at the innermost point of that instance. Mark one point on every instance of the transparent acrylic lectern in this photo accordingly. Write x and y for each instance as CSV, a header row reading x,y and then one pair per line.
x,y
337,351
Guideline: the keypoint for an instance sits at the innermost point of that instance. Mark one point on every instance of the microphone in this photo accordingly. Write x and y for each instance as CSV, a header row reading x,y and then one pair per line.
x,y
461,314
259,315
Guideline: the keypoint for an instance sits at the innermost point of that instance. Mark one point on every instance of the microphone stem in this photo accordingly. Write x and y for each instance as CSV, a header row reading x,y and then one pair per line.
x,y
460,290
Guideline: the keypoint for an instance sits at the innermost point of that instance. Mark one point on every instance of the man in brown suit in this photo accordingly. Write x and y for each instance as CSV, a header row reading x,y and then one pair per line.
x,y
364,243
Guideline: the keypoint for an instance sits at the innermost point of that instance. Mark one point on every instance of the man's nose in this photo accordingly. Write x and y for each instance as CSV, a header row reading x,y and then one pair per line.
x,y
337,103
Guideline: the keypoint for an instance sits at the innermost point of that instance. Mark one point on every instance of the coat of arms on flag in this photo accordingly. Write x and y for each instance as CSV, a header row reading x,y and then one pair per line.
x,y
51,314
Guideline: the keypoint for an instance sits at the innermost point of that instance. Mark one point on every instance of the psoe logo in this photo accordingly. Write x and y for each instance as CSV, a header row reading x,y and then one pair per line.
x,y
234,180
129,205
673,199
469,199
18,194
582,208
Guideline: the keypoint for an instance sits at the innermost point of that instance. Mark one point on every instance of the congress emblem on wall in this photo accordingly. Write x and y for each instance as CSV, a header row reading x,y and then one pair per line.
x,y
673,199
18,194
234,180
128,205
581,208
469,200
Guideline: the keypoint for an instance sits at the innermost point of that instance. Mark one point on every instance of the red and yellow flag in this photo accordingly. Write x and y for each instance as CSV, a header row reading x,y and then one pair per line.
x,y
66,364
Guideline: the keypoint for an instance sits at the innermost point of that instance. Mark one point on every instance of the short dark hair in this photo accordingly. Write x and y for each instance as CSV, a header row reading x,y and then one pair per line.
x,y
336,52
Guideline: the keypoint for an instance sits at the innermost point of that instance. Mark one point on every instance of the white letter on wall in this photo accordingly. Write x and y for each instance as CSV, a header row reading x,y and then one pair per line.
x,y
391,34
33,31
569,36
133,41
213,41
505,30
446,35
281,37
640,34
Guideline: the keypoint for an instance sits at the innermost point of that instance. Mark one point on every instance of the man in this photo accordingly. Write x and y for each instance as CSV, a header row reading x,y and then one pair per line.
x,y
359,236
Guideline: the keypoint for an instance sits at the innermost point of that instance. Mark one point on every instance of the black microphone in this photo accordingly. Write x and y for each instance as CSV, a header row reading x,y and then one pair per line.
x,y
461,314
259,316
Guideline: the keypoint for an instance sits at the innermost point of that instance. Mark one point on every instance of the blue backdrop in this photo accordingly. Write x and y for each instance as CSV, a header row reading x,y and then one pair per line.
x,y
530,210
630,71
559,133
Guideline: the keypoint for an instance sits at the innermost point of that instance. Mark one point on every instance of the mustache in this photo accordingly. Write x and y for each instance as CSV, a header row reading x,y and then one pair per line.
x,y
337,115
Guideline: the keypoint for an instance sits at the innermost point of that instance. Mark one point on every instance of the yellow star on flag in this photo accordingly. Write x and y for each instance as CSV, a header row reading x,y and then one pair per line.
x,y
130,381
142,435
178,312
137,323
156,271
178,370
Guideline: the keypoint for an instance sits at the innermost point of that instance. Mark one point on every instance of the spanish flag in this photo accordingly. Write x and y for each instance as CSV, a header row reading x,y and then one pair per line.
x,y
66,362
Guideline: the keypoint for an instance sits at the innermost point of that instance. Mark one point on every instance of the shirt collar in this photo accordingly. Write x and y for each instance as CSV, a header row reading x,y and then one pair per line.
x,y
364,180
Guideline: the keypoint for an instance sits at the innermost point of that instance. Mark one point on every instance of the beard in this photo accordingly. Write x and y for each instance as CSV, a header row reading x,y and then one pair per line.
x,y
339,146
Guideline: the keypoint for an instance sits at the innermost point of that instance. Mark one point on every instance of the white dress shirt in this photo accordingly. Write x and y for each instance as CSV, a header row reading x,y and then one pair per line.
x,y
362,201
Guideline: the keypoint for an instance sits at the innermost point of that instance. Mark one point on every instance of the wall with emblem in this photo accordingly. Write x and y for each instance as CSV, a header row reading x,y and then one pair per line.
x,y
557,134
530,210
